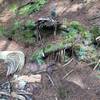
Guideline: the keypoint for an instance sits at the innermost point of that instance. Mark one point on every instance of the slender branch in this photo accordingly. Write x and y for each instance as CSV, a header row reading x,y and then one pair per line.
x,y
68,62
50,79
96,65
93,18
68,74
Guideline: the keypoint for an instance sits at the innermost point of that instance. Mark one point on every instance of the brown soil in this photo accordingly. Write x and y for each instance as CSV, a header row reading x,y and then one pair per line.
x,y
75,10
82,83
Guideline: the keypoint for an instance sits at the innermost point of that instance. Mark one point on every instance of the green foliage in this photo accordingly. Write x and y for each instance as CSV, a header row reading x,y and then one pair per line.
x,y
76,25
26,10
80,29
53,47
25,37
30,24
2,29
17,25
86,34
84,53
81,52
12,29
37,56
13,7
73,30
71,35
95,32
83,47
22,32
32,7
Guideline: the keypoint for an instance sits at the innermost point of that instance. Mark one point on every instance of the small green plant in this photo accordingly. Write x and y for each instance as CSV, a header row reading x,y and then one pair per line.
x,y
76,25
22,32
30,24
95,31
2,30
25,37
37,56
31,7
13,7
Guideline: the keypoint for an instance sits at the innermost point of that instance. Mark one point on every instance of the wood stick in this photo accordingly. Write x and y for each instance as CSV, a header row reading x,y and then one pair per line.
x,y
96,65
68,62
93,18
50,79
68,74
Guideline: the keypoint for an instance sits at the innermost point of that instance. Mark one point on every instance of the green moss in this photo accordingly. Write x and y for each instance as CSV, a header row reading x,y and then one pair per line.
x,y
53,47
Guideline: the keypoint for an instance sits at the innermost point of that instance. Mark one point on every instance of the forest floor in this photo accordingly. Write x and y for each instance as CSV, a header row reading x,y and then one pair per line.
x,y
82,82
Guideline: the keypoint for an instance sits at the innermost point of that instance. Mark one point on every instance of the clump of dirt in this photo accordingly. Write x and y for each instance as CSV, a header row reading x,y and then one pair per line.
x,y
67,88
71,91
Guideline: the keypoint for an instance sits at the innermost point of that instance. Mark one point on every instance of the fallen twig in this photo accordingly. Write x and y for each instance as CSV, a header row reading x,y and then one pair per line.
x,y
23,92
90,64
68,62
68,74
96,65
50,79
93,18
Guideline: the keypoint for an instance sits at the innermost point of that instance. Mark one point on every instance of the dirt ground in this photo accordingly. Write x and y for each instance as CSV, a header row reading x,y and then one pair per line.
x,y
81,82
73,10
75,81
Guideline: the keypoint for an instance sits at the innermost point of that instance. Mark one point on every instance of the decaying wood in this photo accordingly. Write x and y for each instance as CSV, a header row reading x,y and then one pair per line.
x,y
31,78
57,55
